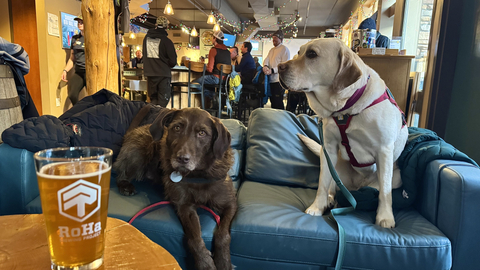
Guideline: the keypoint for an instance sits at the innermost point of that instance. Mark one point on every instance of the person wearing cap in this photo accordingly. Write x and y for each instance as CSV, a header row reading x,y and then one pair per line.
x,y
278,54
218,54
380,40
159,57
77,59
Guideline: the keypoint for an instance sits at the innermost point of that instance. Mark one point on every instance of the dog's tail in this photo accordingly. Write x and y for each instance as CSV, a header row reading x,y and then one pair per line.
x,y
139,117
315,147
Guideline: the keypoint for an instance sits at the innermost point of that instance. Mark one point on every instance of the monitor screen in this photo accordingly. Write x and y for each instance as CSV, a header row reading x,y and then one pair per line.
x,y
229,40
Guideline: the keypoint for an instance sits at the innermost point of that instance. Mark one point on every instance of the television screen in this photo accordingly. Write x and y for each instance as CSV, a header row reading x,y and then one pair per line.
x,y
194,41
229,40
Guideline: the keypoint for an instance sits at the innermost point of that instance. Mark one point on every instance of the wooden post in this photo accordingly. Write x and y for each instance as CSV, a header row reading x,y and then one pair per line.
x,y
100,48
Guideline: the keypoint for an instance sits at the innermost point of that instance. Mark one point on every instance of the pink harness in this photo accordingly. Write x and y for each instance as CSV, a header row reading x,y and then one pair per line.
x,y
343,121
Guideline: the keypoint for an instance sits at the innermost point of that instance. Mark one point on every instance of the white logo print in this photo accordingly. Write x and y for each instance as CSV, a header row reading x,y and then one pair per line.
x,y
79,194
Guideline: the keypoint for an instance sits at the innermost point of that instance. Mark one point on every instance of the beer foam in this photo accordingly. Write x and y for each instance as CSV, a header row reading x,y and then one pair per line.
x,y
73,170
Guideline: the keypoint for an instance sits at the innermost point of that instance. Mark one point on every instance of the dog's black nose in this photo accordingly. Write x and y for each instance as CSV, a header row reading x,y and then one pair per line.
x,y
183,159
282,66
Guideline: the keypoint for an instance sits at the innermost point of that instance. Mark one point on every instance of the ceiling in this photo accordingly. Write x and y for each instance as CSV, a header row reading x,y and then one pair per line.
x,y
260,17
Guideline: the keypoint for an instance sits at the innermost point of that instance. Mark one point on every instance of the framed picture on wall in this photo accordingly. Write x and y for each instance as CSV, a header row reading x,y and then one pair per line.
x,y
69,29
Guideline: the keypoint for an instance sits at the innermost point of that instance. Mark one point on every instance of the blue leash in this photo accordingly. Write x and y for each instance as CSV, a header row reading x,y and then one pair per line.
x,y
338,211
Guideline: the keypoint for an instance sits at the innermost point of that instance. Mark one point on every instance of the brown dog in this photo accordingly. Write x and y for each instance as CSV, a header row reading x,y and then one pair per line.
x,y
190,150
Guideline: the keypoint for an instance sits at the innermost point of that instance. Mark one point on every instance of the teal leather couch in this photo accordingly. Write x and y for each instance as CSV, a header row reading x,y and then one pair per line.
x,y
276,177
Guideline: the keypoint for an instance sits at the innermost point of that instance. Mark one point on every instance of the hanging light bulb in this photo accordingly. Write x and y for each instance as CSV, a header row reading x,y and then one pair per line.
x,y
216,27
211,19
168,9
194,32
132,35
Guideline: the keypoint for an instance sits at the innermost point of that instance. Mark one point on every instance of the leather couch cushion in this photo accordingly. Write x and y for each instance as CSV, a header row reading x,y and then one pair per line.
x,y
271,225
275,154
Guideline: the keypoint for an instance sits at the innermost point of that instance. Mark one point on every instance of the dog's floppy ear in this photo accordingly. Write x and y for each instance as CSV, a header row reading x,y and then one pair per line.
x,y
164,118
222,141
349,72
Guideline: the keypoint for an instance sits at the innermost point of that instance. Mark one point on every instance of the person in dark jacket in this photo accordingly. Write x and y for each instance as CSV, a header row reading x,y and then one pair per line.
x,y
77,59
138,59
246,67
159,57
380,40
219,54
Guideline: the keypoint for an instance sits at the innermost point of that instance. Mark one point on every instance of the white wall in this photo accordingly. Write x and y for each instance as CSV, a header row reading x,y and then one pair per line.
x,y
293,46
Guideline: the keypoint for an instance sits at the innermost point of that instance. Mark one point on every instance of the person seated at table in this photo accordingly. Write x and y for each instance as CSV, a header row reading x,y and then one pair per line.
x,y
201,59
138,59
234,55
257,64
218,54
246,67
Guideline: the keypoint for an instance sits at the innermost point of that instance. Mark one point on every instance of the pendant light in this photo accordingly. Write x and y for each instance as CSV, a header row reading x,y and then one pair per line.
x,y
211,18
194,33
216,27
168,9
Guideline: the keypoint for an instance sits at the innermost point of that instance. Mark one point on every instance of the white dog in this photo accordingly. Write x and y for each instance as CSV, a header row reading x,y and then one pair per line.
x,y
342,89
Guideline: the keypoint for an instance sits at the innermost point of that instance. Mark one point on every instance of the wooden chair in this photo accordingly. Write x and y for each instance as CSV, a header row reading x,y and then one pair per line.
x,y
195,88
224,71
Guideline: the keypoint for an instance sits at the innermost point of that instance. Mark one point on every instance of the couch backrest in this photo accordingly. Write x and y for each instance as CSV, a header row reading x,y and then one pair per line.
x,y
238,132
275,154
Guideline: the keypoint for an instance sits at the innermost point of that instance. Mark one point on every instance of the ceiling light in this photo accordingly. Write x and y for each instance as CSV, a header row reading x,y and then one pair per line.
x,y
132,35
300,19
194,32
168,9
211,19
123,44
216,27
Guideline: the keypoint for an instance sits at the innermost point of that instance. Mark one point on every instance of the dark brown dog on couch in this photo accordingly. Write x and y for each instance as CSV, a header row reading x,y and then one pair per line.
x,y
190,151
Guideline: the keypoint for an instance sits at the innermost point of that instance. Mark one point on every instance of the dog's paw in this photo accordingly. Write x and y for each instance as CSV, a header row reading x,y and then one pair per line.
x,y
385,221
313,210
205,262
126,188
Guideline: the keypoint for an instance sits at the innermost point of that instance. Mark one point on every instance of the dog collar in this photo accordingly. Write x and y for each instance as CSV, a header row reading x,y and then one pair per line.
x,y
355,97
177,177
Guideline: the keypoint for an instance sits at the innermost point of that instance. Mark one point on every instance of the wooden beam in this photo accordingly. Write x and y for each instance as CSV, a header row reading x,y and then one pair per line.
x,y
100,48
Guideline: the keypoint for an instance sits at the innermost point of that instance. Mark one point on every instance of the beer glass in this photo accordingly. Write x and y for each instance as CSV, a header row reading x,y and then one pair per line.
x,y
74,184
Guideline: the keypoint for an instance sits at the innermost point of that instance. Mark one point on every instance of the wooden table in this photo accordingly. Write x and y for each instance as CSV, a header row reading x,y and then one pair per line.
x,y
23,245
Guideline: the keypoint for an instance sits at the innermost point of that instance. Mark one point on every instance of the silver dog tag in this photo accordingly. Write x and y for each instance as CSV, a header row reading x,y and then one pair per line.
x,y
176,177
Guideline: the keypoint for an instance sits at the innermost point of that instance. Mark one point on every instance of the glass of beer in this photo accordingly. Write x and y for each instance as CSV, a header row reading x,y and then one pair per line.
x,y
74,184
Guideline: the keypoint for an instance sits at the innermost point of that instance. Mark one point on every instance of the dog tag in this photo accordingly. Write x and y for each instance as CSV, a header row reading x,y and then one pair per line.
x,y
176,177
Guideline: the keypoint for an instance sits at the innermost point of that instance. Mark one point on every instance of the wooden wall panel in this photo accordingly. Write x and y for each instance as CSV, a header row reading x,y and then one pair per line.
x,y
24,25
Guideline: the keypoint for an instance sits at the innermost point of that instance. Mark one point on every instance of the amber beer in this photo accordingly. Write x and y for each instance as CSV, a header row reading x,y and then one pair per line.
x,y
74,196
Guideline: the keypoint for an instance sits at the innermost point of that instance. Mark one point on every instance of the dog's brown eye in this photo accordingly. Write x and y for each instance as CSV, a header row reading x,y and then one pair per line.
x,y
202,133
311,54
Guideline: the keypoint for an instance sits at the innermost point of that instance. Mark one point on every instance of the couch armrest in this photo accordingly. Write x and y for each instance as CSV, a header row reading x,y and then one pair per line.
x,y
450,199
18,180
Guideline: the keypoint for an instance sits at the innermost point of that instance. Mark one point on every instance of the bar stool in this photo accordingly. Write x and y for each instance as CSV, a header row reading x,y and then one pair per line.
x,y
224,71
196,88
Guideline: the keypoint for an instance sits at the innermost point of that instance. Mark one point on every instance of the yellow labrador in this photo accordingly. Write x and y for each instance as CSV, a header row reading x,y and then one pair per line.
x,y
349,95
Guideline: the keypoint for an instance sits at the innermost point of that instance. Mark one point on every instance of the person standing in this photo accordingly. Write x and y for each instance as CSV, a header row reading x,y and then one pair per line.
x,y
77,59
278,54
380,40
160,57
138,59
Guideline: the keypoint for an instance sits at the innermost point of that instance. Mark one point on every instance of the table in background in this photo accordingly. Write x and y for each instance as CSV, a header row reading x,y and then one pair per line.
x,y
395,71
180,74
23,245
